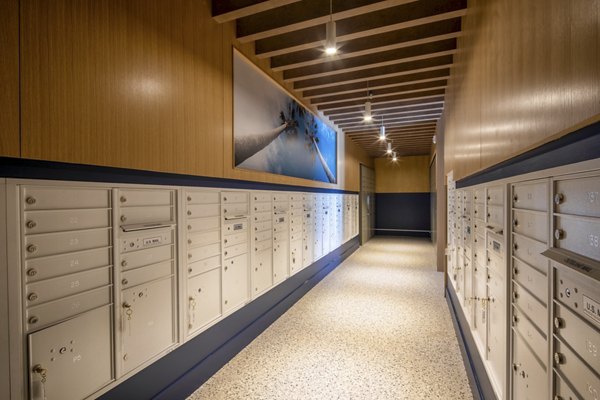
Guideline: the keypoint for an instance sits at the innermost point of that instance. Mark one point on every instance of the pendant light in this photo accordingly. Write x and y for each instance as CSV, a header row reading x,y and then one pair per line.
x,y
382,131
389,148
394,157
330,39
368,115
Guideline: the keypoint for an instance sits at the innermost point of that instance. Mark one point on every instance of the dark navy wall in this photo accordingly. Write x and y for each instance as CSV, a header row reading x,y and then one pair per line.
x,y
403,214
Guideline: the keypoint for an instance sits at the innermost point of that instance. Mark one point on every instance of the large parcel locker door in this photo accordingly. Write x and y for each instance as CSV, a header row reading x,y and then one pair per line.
x,y
73,359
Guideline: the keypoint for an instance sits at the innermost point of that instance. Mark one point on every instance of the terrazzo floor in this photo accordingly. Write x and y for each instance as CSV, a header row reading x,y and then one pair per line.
x,y
377,327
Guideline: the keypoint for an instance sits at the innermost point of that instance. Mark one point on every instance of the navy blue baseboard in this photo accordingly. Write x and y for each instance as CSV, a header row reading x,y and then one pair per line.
x,y
403,213
478,378
179,373
403,233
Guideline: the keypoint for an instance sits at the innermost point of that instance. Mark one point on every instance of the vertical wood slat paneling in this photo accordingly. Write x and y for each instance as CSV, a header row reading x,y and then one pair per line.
x,y
408,175
9,78
524,74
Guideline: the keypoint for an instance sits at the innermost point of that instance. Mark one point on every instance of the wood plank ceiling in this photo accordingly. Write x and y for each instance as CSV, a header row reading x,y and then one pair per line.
x,y
397,53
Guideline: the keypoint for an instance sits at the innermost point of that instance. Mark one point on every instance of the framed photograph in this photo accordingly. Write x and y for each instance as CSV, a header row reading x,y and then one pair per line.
x,y
272,132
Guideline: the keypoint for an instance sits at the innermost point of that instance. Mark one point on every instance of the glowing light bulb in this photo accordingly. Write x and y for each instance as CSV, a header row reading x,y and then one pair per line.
x,y
368,115
382,132
330,40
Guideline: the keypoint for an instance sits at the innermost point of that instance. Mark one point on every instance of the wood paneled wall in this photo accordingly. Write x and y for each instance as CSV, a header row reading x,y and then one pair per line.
x,y
526,72
408,175
143,84
9,78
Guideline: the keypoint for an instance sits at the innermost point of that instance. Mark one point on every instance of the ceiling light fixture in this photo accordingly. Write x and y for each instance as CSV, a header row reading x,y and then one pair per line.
x,y
368,113
389,148
330,39
382,130
394,158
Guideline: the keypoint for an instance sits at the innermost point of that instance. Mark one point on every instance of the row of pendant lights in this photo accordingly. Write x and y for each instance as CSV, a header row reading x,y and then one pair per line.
x,y
331,49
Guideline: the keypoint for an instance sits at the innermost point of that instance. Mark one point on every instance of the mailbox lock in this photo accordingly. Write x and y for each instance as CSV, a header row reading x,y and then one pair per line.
x,y
189,212
30,200
124,282
225,268
515,295
189,227
123,218
224,198
32,248
41,371
559,358
559,323
516,367
559,234
557,397
33,320
516,223
558,198
516,198
189,255
32,297
31,224
515,271
31,272
189,198
190,270
189,241
515,319
225,210
123,199
515,246
124,263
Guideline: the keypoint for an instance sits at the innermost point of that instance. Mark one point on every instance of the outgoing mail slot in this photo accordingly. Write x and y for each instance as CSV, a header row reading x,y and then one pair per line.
x,y
264,235
532,224
144,215
149,273
193,197
579,196
58,310
49,267
263,245
203,210
65,220
495,216
280,197
263,216
136,197
280,207
495,195
235,250
234,197
203,238
52,198
581,337
200,253
235,226
261,207
235,210
531,196
262,226
529,376
530,251
204,265
531,335
204,299
76,355
580,293
583,379
235,238
46,244
531,307
68,285
146,257
579,235
203,224
261,197
531,279
145,239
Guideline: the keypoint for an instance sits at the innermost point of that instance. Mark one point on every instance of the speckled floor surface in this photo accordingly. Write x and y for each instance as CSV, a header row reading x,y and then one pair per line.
x,y
377,327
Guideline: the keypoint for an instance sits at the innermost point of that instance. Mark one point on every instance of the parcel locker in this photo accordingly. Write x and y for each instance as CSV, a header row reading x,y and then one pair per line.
x,y
73,359
204,299
295,256
529,375
262,271
280,261
496,342
147,322
235,282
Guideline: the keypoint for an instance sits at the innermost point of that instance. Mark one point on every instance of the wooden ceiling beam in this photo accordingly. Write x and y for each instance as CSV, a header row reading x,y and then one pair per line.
x,y
384,99
390,19
406,68
413,36
371,135
306,14
407,54
390,116
417,128
362,95
228,10
380,108
390,122
405,123
361,86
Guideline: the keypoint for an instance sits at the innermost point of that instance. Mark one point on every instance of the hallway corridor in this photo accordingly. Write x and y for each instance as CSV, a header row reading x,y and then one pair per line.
x,y
377,327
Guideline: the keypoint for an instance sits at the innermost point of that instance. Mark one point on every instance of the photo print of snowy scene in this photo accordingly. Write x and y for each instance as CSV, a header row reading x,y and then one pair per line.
x,y
274,133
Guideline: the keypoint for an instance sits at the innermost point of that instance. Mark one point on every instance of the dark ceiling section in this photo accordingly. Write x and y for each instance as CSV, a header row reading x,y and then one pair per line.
x,y
395,53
